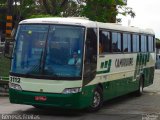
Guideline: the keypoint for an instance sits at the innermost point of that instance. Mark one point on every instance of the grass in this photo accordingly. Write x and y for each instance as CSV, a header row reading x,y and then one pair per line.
x,y
4,67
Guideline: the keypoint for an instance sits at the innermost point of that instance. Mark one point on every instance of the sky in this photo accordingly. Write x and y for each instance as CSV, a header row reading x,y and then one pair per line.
x,y
147,15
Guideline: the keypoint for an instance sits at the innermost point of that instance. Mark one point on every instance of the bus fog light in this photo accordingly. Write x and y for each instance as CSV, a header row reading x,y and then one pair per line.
x,y
71,90
15,86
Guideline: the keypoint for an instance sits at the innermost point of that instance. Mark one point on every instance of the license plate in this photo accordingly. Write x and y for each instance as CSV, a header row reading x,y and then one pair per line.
x,y
40,98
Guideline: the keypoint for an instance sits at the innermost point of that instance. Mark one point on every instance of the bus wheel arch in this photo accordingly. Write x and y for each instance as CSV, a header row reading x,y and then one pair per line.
x,y
100,86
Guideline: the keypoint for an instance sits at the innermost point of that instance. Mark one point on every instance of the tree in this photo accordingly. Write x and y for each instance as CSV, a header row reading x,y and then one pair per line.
x,y
23,9
60,7
3,3
105,10
97,10
72,9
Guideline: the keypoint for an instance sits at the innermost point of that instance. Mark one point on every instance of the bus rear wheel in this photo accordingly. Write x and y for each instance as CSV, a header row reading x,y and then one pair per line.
x,y
141,86
97,100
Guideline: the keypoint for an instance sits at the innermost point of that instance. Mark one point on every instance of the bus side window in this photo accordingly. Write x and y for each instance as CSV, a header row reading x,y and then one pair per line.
x,y
104,42
116,42
143,43
135,42
126,42
90,63
150,44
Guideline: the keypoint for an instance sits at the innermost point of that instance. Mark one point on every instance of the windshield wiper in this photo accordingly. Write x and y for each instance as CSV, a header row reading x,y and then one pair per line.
x,y
41,62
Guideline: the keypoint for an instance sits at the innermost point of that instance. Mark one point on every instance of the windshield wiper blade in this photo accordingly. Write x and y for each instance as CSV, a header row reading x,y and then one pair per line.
x,y
41,62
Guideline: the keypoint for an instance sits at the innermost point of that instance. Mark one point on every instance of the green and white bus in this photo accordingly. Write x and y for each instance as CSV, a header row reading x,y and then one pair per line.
x,y
114,60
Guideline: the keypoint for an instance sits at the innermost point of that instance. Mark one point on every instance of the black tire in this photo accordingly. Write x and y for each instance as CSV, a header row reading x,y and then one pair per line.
x,y
97,100
38,107
141,86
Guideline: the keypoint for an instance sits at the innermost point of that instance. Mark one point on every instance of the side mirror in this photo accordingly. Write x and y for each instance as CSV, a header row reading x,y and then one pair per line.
x,y
8,48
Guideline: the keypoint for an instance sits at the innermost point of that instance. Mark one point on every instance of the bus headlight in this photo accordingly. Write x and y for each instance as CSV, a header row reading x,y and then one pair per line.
x,y
71,90
15,86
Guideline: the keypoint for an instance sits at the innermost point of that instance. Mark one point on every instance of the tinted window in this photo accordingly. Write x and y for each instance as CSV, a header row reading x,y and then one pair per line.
x,y
44,50
90,63
116,42
150,44
91,45
126,43
104,41
143,43
135,41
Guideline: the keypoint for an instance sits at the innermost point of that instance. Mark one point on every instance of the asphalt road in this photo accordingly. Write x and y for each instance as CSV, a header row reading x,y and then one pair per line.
x,y
146,107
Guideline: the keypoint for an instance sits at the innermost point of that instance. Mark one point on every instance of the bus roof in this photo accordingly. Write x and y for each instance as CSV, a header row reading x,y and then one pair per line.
x,y
79,21
56,20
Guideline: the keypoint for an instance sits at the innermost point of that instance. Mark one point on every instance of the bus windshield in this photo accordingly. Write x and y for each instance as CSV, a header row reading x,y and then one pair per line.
x,y
47,50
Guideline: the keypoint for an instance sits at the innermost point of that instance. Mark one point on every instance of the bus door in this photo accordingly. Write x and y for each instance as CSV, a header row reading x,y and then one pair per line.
x,y
90,60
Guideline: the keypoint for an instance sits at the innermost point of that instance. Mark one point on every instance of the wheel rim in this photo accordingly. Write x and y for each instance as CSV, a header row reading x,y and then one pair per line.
x,y
141,85
141,88
96,99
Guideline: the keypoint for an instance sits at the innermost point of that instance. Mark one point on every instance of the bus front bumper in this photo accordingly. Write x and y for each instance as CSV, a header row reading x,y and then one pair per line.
x,y
66,101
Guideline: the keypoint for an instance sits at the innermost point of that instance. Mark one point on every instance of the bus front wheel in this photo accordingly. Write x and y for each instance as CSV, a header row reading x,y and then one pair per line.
x,y
38,107
97,100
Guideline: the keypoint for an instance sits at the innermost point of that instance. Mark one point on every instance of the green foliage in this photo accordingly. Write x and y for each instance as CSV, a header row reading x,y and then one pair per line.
x,y
62,8
105,10
100,10
4,66
25,9
40,16
72,9
3,3
96,10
